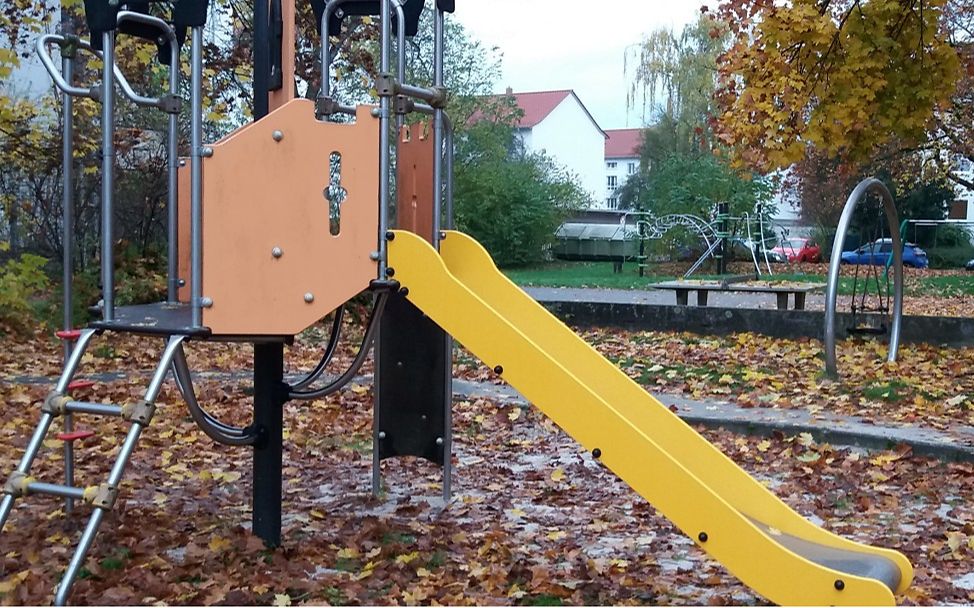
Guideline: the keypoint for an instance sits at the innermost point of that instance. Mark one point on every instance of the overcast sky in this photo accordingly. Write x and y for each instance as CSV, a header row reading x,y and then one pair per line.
x,y
572,44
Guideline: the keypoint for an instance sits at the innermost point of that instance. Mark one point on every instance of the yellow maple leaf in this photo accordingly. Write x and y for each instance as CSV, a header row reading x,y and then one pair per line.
x,y
218,544
407,557
763,446
281,599
558,475
11,582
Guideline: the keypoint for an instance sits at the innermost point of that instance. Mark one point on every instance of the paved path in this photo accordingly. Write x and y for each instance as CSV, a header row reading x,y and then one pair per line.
x,y
814,301
956,443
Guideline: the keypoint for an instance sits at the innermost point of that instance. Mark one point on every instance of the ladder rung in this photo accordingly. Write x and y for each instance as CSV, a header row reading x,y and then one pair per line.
x,y
102,409
68,334
75,435
53,489
76,385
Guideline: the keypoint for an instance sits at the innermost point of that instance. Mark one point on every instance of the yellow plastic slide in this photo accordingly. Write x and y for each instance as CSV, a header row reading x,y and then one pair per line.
x,y
768,546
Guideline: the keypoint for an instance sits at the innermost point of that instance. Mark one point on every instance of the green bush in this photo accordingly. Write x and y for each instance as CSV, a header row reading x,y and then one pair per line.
x,y
23,284
509,200
950,257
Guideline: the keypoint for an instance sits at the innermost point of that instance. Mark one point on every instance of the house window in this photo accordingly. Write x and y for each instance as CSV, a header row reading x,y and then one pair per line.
x,y
612,181
611,165
632,168
613,202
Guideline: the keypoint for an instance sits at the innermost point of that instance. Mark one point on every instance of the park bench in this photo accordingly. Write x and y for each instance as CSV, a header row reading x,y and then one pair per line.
x,y
782,291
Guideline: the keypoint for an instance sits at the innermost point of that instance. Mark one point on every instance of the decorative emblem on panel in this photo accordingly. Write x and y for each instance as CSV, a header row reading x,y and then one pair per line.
x,y
335,194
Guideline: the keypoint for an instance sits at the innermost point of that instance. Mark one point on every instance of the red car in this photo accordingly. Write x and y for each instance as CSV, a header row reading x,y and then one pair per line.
x,y
799,249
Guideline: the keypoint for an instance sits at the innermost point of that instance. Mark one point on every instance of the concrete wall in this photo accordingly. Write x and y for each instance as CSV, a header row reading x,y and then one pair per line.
x,y
570,136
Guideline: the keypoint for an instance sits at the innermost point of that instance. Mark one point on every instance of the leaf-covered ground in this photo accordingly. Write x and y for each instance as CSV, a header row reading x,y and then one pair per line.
x,y
534,520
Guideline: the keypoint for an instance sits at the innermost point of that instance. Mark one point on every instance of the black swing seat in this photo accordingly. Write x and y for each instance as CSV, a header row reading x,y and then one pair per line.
x,y
867,330
102,15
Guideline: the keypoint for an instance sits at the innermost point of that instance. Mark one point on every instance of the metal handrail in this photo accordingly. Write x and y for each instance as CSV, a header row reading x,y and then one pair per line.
x,y
93,92
170,33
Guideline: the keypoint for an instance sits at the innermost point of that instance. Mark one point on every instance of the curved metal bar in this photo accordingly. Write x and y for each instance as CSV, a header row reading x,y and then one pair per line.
x,y
346,377
213,428
170,33
336,332
832,286
91,92
48,62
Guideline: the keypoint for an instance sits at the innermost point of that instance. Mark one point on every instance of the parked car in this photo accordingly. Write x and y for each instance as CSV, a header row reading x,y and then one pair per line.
x,y
969,265
878,252
797,249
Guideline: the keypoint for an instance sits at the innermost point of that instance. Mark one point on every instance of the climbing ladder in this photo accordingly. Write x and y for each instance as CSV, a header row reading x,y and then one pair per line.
x,y
102,496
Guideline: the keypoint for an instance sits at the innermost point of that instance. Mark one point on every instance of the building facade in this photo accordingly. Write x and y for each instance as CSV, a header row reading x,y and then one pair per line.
x,y
622,151
558,124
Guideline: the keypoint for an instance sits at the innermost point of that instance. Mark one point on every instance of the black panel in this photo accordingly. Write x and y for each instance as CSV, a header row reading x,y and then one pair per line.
x,y
412,10
101,16
413,365
447,6
277,47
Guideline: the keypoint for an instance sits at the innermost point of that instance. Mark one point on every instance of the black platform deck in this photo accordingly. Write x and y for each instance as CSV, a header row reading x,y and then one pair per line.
x,y
159,319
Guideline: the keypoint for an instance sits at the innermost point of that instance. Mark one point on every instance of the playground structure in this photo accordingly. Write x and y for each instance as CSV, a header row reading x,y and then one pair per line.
x,y
258,258
875,309
715,234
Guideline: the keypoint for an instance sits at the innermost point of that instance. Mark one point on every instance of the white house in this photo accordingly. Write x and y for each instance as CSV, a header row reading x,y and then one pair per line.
x,y
622,147
962,207
558,124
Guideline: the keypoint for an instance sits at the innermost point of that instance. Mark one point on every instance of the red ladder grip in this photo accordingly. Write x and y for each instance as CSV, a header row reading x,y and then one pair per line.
x,y
68,334
80,384
75,435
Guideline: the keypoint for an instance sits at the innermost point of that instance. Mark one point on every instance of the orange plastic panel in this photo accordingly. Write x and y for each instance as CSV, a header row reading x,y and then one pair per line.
x,y
415,180
260,194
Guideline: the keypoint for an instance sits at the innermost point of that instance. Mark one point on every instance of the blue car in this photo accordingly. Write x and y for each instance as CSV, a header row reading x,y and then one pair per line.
x,y
879,251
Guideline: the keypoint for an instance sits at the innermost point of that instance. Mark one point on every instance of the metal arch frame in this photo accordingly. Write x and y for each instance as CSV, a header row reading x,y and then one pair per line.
x,y
864,187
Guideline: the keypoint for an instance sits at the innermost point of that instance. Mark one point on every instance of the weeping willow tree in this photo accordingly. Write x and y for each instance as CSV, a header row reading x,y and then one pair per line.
x,y
673,78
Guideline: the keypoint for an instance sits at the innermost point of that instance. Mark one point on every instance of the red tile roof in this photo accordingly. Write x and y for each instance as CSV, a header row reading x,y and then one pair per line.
x,y
623,143
537,106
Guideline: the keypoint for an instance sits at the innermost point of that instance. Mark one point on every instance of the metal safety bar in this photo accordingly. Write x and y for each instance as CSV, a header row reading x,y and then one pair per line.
x,y
108,177
196,178
63,81
67,245
170,105
105,94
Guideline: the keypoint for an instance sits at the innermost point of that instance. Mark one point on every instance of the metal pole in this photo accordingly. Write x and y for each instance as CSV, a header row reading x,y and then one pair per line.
x,y
438,136
385,17
173,200
108,175
448,210
67,243
88,537
400,59
196,197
